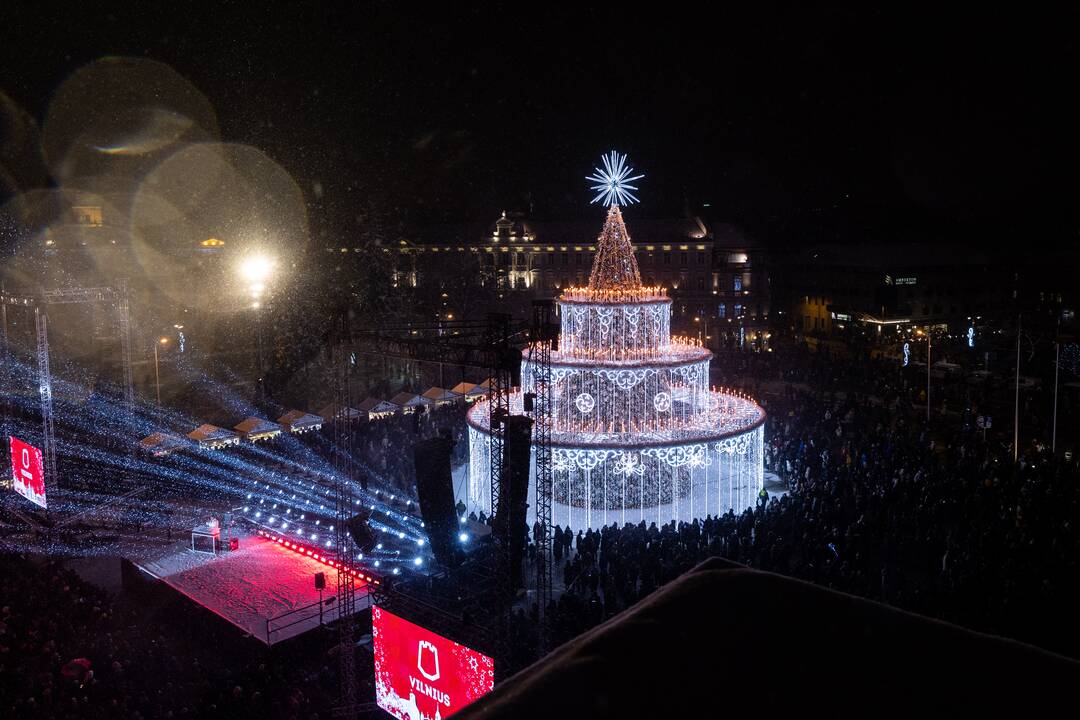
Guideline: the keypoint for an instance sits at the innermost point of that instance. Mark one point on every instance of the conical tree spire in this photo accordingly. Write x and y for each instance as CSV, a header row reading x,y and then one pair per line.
x,y
615,267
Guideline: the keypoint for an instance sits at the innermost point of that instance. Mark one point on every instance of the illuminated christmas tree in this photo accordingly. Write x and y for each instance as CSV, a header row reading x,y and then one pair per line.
x,y
637,433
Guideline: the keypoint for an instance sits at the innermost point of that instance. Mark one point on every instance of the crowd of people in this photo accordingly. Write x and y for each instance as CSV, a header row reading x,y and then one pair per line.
x,y
71,650
385,443
936,520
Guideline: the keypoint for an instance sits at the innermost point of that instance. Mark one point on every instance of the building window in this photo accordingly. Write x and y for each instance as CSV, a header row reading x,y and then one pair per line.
x,y
701,258
682,259
88,215
701,283
737,284
667,258
721,310
566,259
738,310
578,260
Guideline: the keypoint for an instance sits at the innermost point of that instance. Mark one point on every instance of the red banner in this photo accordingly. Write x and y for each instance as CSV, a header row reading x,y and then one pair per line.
x,y
27,472
422,676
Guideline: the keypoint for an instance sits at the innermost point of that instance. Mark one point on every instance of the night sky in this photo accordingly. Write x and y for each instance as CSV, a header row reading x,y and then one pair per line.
x,y
871,124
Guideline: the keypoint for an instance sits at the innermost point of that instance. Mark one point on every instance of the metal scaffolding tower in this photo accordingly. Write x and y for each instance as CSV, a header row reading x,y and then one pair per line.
x,y
499,388
123,318
344,431
65,296
41,324
118,298
544,337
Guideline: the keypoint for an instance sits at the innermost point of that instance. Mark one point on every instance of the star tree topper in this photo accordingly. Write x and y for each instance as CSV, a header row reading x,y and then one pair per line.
x,y
613,182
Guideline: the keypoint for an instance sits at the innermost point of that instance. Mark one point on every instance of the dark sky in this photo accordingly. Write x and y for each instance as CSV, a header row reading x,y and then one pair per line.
x,y
883,121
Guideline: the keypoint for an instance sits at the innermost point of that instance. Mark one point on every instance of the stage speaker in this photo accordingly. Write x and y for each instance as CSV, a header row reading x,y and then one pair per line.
x,y
545,328
320,581
514,492
360,531
435,488
509,360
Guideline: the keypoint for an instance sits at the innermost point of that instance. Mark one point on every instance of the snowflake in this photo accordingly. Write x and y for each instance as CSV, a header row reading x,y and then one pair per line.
x,y
662,402
585,403
629,464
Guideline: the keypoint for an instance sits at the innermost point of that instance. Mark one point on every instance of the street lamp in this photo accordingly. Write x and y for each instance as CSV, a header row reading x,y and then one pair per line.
x,y
157,375
256,270
927,333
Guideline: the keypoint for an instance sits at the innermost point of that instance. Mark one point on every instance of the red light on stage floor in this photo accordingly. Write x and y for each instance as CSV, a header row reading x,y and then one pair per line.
x,y
314,555
26,471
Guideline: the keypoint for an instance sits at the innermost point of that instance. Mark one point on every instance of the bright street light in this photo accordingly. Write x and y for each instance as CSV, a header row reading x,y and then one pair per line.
x,y
256,268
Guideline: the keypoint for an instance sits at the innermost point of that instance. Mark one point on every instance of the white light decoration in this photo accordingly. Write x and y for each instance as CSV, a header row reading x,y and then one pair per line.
x,y
613,182
662,402
636,431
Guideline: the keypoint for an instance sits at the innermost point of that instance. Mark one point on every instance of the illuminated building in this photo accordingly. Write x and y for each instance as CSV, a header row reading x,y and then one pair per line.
x,y
712,272
637,433
878,288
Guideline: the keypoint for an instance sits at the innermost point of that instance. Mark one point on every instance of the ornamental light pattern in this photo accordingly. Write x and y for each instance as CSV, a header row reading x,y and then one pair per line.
x,y
637,432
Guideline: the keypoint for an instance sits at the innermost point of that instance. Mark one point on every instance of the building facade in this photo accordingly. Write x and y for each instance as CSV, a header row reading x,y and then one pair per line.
x,y
717,278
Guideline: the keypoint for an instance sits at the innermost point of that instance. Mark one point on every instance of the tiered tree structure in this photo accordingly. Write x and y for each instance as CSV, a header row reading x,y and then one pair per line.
x,y
637,433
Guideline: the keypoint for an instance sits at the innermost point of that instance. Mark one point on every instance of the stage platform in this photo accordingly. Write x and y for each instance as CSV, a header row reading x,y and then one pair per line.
x,y
264,589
